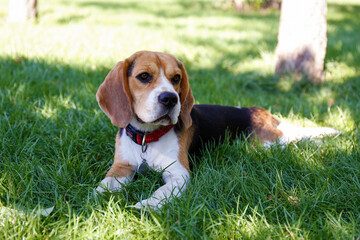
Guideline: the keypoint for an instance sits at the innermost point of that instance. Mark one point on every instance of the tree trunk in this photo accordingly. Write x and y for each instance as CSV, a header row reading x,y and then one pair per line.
x,y
302,38
239,5
22,10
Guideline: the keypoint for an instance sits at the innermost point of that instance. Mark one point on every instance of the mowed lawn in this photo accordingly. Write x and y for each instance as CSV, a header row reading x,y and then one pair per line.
x,y
56,145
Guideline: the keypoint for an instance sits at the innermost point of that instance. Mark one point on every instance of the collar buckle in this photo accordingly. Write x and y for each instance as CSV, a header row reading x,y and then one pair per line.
x,y
144,145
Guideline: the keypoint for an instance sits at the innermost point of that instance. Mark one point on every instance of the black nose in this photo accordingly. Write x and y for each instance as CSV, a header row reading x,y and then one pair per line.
x,y
168,99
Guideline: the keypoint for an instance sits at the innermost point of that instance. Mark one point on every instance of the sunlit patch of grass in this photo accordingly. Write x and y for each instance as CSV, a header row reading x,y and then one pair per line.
x,y
342,118
337,72
53,106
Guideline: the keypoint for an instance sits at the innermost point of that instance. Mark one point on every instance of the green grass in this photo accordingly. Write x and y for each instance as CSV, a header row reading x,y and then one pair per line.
x,y
56,145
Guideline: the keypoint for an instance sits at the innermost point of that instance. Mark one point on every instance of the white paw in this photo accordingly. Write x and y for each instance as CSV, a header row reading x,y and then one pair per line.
x,y
137,206
110,184
150,203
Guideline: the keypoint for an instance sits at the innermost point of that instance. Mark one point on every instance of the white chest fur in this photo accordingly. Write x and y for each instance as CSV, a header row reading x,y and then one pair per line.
x,y
158,155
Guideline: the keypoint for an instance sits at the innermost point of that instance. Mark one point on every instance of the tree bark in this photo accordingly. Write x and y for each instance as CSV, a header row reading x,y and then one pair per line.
x,y
302,38
239,5
22,10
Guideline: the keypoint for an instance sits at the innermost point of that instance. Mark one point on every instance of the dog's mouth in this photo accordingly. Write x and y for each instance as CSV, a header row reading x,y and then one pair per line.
x,y
165,117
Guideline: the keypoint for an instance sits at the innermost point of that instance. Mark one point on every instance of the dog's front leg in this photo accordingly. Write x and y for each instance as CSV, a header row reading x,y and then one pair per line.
x,y
176,178
120,174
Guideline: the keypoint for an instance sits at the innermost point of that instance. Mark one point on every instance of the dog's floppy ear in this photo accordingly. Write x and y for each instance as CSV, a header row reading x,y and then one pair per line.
x,y
114,96
186,99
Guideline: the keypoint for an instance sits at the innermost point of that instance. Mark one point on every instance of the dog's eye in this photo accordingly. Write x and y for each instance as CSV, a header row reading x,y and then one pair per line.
x,y
176,79
144,77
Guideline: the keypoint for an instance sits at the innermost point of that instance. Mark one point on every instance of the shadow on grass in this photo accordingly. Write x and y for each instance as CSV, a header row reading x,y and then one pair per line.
x,y
50,115
57,145
343,34
71,19
51,131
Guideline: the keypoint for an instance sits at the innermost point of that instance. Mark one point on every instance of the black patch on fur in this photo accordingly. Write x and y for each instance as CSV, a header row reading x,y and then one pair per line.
x,y
179,126
130,68
212,122
179,65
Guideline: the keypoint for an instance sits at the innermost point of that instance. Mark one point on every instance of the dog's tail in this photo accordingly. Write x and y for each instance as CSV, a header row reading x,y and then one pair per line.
x,y
294,133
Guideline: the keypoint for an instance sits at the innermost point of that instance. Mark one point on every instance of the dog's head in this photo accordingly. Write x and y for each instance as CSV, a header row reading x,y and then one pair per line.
x,y
150,88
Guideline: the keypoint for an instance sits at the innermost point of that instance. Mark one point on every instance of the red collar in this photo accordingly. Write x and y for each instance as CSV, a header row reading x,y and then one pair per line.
x,y
137,136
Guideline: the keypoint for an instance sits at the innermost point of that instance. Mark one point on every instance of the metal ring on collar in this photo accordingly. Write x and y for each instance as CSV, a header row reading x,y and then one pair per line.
x,y
143,144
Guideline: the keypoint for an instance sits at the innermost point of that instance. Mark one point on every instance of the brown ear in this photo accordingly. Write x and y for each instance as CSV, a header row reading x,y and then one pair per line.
x,y
187,99
114,96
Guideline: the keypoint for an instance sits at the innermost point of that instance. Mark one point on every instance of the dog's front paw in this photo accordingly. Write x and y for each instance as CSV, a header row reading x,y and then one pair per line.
x,y
143,205
109,184
150,203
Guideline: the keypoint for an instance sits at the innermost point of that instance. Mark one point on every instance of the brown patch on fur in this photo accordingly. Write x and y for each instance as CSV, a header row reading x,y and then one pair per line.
x,y
145,62
264,125
119,168
185,139
114,97
170,66
187,99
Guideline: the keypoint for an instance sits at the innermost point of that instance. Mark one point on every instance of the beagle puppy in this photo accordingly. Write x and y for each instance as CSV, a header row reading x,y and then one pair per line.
x,y
148,97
